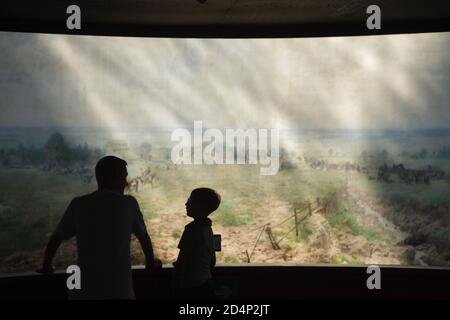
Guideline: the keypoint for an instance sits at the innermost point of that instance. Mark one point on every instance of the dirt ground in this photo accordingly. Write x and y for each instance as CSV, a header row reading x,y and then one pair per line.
x,y
322,243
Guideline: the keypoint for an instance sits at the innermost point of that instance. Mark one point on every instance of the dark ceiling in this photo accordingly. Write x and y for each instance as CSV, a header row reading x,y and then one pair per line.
x,y
226,18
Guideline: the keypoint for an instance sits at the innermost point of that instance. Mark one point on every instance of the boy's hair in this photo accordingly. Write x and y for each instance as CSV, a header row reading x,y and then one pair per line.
x,y
107,169
209,199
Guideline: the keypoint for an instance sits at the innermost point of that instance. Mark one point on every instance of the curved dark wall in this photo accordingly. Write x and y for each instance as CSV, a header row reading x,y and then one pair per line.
x,y
262,282
229,18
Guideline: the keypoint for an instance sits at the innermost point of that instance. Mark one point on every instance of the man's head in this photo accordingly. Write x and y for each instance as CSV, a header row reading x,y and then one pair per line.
x,y
111,174
202,202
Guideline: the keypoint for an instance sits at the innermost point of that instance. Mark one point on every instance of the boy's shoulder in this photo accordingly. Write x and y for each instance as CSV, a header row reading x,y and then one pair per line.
x,y
199,225
196,231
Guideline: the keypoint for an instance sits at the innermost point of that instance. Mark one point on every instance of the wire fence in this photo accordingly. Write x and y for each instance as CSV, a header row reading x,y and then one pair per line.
x,y
299,216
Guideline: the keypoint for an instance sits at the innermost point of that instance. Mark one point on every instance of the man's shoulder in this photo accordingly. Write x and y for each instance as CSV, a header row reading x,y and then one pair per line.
x,y
130,199
96,196
85,197
80,199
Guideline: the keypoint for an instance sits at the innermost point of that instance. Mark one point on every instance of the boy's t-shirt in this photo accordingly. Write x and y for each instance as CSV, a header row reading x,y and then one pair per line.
x,y
197,244
103,222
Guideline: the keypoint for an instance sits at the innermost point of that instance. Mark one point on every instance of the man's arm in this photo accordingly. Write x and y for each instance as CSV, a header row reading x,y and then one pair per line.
x,y
64,231
52,245
140,231
147,248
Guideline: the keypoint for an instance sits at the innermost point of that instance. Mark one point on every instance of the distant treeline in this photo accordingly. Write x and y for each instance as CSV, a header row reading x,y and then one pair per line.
x,y
424,153
56,152
384,155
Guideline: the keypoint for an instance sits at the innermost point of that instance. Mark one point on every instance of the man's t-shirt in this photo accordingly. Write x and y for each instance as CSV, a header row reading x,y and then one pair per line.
x,y
103,222
197,244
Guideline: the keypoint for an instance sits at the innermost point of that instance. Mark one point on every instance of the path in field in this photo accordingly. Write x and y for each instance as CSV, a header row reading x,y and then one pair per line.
x,y
383,252
372,217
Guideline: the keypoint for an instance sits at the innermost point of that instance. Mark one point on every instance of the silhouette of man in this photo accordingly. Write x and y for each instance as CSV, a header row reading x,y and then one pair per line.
x,y
197,257
103,223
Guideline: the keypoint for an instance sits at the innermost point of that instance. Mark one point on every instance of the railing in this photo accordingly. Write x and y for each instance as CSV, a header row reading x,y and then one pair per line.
x,y
260,281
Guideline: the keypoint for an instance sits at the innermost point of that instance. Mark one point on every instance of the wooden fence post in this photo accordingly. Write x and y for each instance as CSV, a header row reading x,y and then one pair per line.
x,y
296,224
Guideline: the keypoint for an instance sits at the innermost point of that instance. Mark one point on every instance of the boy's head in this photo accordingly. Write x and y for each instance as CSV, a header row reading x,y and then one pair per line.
x,y
202,202
111,174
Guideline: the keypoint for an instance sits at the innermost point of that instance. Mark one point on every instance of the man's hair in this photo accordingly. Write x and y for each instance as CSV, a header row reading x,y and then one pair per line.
x,y
208,198
107,169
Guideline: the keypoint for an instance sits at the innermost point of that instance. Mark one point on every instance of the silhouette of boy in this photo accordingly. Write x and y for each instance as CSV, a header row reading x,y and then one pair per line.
x,y
197,257
103,223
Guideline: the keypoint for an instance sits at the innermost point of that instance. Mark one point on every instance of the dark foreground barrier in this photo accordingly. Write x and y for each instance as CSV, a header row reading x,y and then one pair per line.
x,y
252,281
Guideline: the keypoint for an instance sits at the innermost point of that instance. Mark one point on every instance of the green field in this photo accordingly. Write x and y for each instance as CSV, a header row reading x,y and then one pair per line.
x,y
373,223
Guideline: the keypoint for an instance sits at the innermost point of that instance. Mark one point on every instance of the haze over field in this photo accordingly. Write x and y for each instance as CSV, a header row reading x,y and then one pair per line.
x,y
398,81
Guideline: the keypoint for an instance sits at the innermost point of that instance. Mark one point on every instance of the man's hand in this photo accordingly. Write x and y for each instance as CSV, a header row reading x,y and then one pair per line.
x,y
154,264
52,245
46,269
